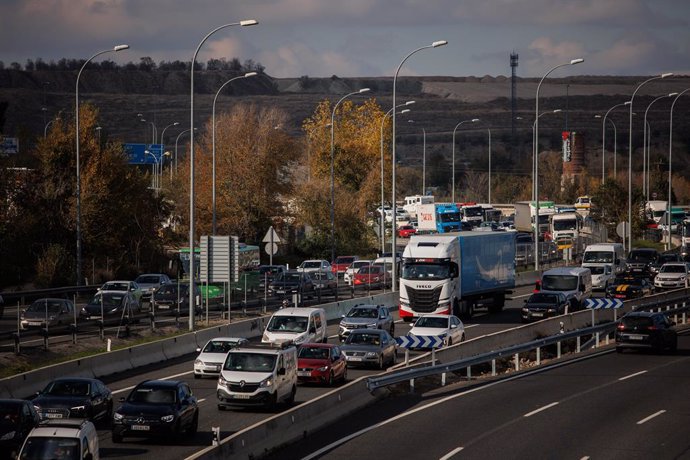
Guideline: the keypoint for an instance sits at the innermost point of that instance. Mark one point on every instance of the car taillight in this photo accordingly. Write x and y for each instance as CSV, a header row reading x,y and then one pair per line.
x,y
651,328
621,327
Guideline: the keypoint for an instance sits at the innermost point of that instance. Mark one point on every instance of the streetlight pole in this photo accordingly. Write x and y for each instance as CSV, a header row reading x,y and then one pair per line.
x,y
670,159
162,134
176,141
213,156
536,160
534,142
435,44
76,123
45,129
154,174
645,150
452,192
603,141
382,217
192,293
630,146
423,161
335,107
489,130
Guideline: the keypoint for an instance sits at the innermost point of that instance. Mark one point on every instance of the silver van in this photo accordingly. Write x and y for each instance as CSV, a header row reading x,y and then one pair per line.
x,y
574,282
297,325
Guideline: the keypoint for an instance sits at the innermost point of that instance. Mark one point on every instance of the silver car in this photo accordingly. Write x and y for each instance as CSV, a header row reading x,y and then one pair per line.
x,y
48,313
369,347
150,282
366,317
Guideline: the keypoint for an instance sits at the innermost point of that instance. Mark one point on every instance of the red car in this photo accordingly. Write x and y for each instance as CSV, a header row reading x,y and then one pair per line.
x,y
320,363
340,264
406,231
371,275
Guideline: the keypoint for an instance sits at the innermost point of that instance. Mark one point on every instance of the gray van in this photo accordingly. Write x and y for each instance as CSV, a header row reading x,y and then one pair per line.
x,y
574,282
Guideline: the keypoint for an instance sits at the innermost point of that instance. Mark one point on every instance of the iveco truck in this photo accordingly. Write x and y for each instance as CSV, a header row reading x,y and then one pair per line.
x,y
456,273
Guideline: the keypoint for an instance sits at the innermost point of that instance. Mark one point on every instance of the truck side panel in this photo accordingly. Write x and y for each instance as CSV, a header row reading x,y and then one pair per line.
x,y
487,262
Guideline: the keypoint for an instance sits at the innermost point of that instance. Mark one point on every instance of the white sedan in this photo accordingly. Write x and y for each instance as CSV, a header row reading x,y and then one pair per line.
x,y
673,275
448,327
212,357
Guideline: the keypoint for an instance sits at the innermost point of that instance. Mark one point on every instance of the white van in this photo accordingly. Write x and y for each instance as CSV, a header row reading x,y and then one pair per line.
x,y
298,325
574,282
258,375
605,254
62,438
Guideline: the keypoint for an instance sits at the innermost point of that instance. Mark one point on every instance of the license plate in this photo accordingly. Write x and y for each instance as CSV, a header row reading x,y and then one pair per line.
x,y
163,307
354,358
53,415
280,291
635,337
619,296
304,374
35,323
140,428
241,396
537,315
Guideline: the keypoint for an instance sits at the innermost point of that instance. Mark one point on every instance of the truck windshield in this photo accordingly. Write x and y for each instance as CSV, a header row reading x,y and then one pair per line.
x,y
559,283
602,257
543,218
418,271
449,217
564,224
473,212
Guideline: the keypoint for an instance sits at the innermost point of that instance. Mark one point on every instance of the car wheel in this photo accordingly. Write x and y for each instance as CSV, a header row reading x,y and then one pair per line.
x,y
380,365
450,341
291,399
116,438
193,428
330,379
344,377
197,376
392,331
394,359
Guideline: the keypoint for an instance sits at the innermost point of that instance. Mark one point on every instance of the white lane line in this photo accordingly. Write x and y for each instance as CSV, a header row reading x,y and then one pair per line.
x,y
646,419
122,390
467,326
201,400
586,457
521,296
548,406
632,375
451,453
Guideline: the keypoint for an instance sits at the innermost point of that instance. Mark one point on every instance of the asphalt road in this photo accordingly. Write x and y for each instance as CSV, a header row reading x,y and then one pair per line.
x,y
611,406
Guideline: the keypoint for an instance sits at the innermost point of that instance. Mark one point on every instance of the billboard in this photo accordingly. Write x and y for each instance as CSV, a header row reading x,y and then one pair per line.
x,y
567,152
9,145
137,153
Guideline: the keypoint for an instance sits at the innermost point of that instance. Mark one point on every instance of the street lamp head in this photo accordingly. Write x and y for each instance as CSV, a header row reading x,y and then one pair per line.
x,y
669,74
597,116
176,123
143,119
436,44
98,128
627,103
140,115
576,61
121,47
364,90
250,74
410,102
672,94
249,22
405,111
474,120
557,110
409,121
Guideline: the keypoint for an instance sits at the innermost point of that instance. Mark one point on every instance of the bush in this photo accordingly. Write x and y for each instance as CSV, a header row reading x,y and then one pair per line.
x,y
54,267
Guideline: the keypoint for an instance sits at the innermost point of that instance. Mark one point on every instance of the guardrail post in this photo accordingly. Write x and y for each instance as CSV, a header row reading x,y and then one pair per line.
x,y
443,379
596,341
44,333
517,361
17,343
411,385
433,356
578,344
73,330
152,320
558,349
538,356
407,357
684,316
493,367
469,373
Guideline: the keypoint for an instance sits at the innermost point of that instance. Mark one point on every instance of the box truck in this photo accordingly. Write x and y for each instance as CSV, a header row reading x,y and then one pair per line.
x,y
456,273
438,218
525,214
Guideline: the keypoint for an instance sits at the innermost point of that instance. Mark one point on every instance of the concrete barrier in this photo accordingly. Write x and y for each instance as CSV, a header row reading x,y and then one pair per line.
x,y
149,353
105,364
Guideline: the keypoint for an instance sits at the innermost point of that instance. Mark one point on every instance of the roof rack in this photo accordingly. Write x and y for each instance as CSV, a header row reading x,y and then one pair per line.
x,y
63,423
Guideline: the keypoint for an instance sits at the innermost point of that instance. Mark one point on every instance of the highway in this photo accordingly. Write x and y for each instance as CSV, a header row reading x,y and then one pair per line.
x,y
232,421
609,406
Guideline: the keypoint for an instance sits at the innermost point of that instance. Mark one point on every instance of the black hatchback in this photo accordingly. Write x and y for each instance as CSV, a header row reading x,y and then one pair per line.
x,y
646,330
17,418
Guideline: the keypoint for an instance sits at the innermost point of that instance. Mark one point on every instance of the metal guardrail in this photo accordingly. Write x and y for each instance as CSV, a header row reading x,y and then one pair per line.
x,y
410,374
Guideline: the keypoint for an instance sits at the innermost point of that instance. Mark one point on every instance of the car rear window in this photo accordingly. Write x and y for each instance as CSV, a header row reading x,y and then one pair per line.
x,y
637,321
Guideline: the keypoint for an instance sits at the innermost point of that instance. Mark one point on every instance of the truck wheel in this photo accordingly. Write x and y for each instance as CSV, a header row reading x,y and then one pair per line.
x,y
468,311
456,308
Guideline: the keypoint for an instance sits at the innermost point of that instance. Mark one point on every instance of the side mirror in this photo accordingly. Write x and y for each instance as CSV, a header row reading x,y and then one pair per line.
x,y
198,350
525,300
453,326
281,371
122,399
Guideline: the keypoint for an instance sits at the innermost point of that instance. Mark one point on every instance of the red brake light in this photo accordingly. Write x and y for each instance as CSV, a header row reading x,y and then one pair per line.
x,y
621,327
651,328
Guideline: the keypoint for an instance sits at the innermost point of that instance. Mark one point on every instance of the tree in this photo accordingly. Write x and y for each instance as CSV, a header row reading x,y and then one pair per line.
x,y
610,206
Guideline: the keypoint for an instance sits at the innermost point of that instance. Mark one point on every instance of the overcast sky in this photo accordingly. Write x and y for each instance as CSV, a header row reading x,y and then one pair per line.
x,y
361,38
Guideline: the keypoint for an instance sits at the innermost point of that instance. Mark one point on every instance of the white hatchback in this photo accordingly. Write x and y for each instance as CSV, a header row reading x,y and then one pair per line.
x,y
447,327
673,275
212,356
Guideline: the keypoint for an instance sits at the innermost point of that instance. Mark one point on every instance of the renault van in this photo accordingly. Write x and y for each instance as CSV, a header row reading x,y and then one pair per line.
x,y
574,282
62,438
298,325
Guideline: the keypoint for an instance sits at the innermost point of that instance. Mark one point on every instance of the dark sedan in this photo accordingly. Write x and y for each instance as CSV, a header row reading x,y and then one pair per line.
x,y
291,282
174,298
324,282
373,347
157,408
114,304
75,398
650,330
544,305
17,418
629,287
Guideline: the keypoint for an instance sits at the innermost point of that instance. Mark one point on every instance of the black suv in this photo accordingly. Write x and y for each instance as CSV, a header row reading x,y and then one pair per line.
x,y
640,261
643,329
157,407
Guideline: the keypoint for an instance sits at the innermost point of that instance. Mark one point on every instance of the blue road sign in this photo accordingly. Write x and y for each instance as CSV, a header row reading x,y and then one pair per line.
x,y
597,304
413,341
136,153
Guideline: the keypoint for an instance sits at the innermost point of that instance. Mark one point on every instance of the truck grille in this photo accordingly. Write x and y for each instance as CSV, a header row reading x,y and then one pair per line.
x,y
424,300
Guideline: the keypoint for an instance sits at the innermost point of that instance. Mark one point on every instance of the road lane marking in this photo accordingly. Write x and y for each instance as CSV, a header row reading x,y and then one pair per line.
x,y
451,453
586,457
520,296
632,375
201,400
646,419
548,406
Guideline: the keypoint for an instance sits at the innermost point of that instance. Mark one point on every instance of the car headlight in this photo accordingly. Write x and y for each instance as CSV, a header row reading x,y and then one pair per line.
x,y
77,408
168,418
322,369
113,310
300,338
198,362
525,309
50,318
8,436
84,312
266,383
118,416
38,408
551,310
372,354
372,326
222,381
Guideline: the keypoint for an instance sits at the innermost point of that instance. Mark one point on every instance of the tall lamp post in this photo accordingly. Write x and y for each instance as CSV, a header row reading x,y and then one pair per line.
x,y
213,156
192,294
489,131
452,192
176,141
630,146
669,221
645,150
383,214
394,267
335,107
45,129
534,143
76,118
536,161
603,141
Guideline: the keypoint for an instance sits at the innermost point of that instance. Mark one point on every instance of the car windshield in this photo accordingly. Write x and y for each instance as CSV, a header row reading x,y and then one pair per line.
x,y
219,346
449,217
268,269
344,260
313,353
543,298
108,299
357,338
52,448
564,224
9,414
426,321
172,289
373,269
149,279
114,286
672,269
641,256
289,277
363,313
322,275
311,264
359,264
668,258
474,211
42,306
637,321
151,395
68,388
295,324
415,271
250,362
559,282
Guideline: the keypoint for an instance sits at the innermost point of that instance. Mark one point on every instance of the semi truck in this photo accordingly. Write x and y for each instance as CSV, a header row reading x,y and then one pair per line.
x,y
456,273
438,218
654,210
471,213
565,227
412,202
525,214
